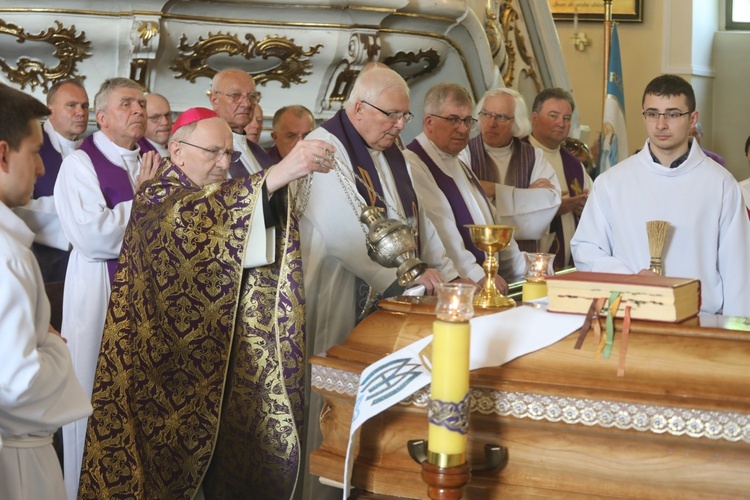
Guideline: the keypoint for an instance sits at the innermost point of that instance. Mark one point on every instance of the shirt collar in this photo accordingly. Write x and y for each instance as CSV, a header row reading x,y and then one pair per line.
x,y
678,161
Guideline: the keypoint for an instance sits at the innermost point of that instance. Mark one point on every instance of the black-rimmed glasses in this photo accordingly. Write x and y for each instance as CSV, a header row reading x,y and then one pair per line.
x,y
456,121
217,154
652,115
393,116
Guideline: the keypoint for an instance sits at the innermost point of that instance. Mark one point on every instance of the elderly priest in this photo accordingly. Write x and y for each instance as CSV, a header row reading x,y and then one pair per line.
x,y
199,387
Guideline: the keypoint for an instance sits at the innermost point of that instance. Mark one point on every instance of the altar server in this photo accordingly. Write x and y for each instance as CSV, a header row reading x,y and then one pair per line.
x,y
671,179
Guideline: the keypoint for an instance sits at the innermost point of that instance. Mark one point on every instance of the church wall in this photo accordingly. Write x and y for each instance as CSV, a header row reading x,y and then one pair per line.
x,y
641,51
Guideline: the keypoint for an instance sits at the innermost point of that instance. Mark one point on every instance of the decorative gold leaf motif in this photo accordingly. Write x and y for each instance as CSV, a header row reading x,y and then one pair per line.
x,y
425,62
70,48
509,19
192,62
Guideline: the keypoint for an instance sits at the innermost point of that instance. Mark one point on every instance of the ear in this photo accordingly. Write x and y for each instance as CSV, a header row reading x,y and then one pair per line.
x,y
273,136
175,152
427,122
212,98
693,118
4,151
101,119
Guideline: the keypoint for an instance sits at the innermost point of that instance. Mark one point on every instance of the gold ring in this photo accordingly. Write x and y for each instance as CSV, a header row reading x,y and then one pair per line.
x,y
318,160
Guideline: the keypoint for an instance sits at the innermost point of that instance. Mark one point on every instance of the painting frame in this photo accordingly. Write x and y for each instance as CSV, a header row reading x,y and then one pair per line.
x,y
622,10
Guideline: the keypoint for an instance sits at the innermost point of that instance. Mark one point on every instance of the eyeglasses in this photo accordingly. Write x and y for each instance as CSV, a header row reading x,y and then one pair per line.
x,y
652,116
217,154
252,97
456,121
393,116
498,117
157,118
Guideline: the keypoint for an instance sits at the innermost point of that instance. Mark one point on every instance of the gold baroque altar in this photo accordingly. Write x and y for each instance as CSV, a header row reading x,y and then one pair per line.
x,y
677,425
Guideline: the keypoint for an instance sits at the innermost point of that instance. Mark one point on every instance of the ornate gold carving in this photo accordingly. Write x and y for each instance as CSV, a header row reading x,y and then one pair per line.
x,y
70,48
509,19
148,30
494,37
424,61
192,62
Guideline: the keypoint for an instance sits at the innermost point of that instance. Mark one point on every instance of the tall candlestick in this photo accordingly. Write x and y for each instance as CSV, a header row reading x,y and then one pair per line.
x,y
448,411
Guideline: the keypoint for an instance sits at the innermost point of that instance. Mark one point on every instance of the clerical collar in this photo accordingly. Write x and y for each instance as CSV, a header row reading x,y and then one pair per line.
x,y
677,162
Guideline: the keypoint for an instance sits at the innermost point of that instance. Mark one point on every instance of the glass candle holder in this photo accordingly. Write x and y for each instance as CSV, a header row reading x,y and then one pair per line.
x,y
538,268
455,302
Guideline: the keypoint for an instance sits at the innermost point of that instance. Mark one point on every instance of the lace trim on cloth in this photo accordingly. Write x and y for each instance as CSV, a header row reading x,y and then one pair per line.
x,y
729,426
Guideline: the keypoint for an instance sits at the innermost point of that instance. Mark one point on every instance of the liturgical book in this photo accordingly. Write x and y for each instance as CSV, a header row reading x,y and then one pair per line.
x,y
656,298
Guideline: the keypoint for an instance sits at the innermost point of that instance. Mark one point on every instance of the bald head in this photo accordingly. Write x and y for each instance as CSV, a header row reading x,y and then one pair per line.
x,y
233,97
291,124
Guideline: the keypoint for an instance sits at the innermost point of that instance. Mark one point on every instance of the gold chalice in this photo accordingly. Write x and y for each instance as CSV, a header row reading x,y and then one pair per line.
x,y
491,239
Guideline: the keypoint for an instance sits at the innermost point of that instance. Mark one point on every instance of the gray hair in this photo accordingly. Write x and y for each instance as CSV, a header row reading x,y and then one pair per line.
x,y
296,109
438,94
521,122
52,92
110,85
373,82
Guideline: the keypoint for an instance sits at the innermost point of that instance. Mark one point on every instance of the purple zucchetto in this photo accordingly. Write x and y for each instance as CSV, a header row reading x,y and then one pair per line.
x,y
193,115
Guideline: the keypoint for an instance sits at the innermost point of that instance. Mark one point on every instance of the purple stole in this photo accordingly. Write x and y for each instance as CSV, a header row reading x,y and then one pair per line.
x,y
355,146
456,200
52,160
273,153
113,181
145,145
520,167
574,184
238,170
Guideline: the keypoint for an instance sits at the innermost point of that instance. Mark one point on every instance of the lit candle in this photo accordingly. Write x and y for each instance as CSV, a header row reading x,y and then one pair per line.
x,y
448,412
538,267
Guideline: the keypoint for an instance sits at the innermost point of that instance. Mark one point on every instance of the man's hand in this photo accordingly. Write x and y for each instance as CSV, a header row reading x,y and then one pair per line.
x,y
305,158
541,183
500,283
149,165
430,279
488,188
573,204
55,332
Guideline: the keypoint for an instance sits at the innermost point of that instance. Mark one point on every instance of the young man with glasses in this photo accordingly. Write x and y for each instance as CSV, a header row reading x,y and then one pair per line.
x,y
158,125
450,192
233,97
671,179
514,174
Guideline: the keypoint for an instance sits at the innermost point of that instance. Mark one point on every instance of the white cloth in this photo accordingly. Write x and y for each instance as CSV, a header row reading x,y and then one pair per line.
x,y
745,186
40,214
512,263
96,233
530,210
38,389
334,254
163,151
239,142
568,220
709,236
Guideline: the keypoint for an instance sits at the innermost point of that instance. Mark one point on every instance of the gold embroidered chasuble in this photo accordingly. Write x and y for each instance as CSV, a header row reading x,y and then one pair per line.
x,y
201,373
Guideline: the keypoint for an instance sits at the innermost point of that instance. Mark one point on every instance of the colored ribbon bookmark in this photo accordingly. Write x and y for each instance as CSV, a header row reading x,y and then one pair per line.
x,y
586,325
624,342
614,303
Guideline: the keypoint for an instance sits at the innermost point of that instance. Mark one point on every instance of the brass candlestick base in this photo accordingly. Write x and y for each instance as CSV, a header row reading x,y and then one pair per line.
x,y
491,239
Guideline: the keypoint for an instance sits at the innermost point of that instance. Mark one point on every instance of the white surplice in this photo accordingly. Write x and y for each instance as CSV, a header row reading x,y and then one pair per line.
x,y
709,237
745,186
568,219
40,214
39,391
334,254
512,263
531,210
96,233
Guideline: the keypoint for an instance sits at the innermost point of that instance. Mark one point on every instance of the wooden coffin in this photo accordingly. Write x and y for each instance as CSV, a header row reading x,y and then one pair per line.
x,y
677,425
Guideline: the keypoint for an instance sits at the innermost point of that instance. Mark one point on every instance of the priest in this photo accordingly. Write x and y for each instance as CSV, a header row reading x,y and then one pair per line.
x,y
199,387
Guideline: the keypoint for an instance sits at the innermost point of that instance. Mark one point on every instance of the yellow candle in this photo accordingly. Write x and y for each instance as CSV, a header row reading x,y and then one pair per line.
x,y
448,413
534,290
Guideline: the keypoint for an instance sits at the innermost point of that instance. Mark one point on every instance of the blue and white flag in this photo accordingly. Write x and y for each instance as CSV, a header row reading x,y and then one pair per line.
x,y
613,146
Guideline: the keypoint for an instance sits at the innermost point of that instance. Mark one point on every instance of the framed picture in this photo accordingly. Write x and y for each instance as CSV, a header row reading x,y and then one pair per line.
x,y
593,10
